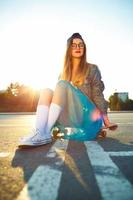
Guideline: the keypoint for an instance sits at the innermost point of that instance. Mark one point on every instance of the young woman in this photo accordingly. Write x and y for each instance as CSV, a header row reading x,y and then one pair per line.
x,y
77,106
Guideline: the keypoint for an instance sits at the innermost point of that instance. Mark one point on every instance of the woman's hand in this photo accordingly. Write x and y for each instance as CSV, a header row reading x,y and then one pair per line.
x,y
108,124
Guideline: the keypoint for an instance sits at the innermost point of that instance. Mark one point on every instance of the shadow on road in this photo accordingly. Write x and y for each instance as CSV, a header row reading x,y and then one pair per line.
x,y
124,163
111,144
77,173
30,158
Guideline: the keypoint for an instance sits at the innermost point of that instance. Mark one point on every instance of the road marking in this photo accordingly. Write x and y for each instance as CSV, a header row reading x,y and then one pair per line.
x,y
112,183
125,123
120,153
4,154
15,125
45,181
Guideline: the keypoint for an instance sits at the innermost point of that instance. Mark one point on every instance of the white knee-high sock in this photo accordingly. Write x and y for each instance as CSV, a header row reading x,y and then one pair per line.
x,y
41,118
54,112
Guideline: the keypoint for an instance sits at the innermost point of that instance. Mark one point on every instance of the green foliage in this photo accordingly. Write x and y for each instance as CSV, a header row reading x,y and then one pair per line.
x,y
18,98
116,104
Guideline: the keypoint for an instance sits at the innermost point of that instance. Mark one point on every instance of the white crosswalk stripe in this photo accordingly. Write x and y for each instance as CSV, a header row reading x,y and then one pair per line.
x,y
111,182
4,154
45,181
120,153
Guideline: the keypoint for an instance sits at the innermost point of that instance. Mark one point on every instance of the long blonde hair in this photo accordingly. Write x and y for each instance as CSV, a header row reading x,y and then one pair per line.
x,y
67,68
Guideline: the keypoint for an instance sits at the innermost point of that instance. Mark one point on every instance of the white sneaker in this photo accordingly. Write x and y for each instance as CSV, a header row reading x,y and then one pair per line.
x,y
35,139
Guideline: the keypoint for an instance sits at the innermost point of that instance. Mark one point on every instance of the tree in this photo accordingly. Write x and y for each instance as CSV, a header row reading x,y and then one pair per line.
x,y
18,98
115,103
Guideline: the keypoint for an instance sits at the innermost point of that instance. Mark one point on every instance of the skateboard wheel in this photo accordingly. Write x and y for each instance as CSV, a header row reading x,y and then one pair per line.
x,y
102,134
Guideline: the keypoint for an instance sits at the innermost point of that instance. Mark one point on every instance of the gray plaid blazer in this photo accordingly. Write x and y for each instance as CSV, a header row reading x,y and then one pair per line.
x,y
93,88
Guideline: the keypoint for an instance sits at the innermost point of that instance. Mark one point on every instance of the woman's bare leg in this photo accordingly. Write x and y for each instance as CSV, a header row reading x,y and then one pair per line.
x,y
60,94
57,104
46,96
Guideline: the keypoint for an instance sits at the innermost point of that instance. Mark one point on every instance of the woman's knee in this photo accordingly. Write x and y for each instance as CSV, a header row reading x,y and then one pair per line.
x,y
60,93
62,84
46,96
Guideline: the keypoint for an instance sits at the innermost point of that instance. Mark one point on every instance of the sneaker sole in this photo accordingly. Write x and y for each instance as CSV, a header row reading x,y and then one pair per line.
x,y
35,143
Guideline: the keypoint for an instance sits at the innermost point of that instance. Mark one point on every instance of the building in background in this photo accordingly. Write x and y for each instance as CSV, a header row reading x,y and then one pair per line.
x,y
122,95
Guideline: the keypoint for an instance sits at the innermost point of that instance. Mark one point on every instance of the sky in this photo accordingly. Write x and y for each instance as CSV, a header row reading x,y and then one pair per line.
x,y
33,35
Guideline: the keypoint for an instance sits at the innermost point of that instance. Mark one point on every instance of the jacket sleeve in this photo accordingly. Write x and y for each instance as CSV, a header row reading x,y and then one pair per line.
x,y
97,88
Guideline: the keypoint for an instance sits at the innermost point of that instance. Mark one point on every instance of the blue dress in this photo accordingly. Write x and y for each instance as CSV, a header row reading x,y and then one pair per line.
x,y
75,120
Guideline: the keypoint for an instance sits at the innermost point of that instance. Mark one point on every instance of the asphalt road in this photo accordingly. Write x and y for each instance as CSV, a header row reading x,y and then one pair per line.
x,y
66,170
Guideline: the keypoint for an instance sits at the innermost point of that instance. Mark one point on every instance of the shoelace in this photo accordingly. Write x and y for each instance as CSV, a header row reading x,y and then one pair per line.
x,y
33,133
36,133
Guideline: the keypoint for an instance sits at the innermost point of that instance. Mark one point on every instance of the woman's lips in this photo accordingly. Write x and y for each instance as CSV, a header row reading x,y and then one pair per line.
x,y
77,51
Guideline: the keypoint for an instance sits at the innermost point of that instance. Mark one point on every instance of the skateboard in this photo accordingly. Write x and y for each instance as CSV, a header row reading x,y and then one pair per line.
x,y
103,131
